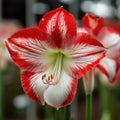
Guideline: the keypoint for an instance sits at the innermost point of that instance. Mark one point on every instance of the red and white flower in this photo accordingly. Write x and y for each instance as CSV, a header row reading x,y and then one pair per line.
x,y
53,57
7,28
110,39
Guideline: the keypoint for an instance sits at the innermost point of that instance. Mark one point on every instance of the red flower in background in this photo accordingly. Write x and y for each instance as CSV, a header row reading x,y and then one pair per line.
x,y
110,39
7,28
53,57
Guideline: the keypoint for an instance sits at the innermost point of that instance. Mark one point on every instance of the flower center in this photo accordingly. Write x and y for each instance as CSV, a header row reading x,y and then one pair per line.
x,y
53,74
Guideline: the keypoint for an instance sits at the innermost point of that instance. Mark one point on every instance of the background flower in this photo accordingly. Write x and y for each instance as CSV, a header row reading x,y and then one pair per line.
x,y
7,28
110,38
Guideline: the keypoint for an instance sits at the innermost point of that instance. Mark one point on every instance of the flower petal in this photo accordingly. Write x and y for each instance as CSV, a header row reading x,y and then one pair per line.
x,y
92,24
109,67
81,29
86,52
61,94
109,37
27,48
33,86
60,25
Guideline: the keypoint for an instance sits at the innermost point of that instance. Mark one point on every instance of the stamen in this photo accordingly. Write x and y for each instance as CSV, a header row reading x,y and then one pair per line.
x,y
52,77
47,80
43,76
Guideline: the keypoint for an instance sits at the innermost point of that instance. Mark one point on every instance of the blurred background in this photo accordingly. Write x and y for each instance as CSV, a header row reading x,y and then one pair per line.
x,y
17,14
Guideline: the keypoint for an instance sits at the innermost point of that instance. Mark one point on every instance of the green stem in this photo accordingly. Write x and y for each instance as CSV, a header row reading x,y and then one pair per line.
x,y
31,111
68,113
108,99
1,90
48,113
88,106
58,115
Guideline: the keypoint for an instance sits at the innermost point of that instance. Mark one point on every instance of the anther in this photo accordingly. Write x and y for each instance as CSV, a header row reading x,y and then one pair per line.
x,y
43,76
51,76
47,80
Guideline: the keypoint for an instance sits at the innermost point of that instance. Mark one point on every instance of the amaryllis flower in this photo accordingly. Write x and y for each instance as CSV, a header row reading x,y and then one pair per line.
x,y
53,57
110,39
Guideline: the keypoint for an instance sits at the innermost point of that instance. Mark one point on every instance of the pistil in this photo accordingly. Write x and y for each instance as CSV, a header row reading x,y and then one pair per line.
x,y
53,76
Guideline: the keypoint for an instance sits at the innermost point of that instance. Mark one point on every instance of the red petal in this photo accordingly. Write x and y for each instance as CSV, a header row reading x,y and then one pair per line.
x,y
71,93
26,84
81,29
109,37
60,25
33,33
26,47
62,93
86,53
92,23
110,68
87,39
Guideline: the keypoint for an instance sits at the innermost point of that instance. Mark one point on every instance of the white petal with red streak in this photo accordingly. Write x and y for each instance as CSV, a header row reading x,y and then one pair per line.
x,y
108,67
56,95
108,37
27,48
29,53
38,86
85,54
59,24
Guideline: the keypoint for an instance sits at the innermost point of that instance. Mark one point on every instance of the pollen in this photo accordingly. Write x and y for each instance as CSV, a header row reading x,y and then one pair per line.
x,y
47,79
